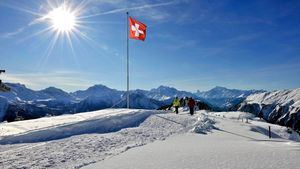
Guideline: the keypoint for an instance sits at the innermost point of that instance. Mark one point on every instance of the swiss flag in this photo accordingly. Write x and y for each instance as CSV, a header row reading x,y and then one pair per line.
x,y
137,30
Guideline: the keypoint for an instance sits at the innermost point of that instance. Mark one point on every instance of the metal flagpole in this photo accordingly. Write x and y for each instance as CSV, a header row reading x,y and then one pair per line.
x,y
127,60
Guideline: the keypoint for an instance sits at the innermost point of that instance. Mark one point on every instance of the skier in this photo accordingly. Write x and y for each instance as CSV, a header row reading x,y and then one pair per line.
x,y
176,104
191,105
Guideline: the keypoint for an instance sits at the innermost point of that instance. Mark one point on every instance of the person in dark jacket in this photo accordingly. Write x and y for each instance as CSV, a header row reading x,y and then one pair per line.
x,y
191,105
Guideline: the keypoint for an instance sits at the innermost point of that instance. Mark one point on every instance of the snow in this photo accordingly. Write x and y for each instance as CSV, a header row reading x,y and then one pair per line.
x,y
123,138
92,144
107,118
219,150
231,145
259,125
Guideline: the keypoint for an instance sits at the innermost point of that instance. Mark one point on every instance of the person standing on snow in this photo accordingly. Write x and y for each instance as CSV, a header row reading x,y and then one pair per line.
x,y
176,104
191,105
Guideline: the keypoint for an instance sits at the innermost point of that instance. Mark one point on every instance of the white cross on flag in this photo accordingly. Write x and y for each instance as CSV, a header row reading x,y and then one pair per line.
x,y
137,30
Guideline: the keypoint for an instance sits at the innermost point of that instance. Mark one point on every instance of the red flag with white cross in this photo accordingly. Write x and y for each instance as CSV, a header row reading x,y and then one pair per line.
x,y
137,30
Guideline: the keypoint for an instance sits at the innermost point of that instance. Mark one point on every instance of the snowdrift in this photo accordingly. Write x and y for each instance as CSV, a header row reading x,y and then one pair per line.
x,y
51,128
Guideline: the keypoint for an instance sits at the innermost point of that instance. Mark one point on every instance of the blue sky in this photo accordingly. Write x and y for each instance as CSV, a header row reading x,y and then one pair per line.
x,y
190,45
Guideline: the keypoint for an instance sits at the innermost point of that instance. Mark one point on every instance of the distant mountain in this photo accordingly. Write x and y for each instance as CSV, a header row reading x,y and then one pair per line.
x,y
138,100
225,98
57,94
222,92
24,103
280,107
21,92
98,91
165,93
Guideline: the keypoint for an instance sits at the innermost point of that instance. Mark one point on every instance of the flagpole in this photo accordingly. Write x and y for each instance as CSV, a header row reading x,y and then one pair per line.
x,y
127,17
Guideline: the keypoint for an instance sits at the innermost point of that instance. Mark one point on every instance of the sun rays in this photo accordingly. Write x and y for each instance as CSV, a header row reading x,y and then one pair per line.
x,y
61,23
62,19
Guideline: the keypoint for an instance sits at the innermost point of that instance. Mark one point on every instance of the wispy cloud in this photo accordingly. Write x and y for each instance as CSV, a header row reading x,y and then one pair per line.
x,y
10,34
138,7
22,29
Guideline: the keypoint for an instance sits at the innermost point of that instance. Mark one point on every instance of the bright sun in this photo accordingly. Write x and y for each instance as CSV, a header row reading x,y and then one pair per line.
x,y
62,19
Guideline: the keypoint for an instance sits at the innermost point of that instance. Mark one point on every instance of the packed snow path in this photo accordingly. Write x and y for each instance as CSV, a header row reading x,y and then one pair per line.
x,y
232,145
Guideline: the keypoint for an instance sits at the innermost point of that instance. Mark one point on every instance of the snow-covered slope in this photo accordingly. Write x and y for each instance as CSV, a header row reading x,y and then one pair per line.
x,y
281,107
75,141
232,145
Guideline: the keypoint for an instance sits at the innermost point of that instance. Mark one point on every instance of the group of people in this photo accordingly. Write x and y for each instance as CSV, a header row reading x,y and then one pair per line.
x,y
183,102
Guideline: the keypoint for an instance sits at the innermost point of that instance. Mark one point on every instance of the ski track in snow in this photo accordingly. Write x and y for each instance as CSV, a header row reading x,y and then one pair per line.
x,y
80,150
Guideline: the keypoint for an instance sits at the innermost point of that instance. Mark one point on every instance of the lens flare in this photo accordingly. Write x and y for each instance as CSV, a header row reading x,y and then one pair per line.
x,y
62,19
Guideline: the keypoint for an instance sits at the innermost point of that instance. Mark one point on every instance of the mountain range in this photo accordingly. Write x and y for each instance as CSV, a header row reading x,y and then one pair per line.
x,y
27,104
